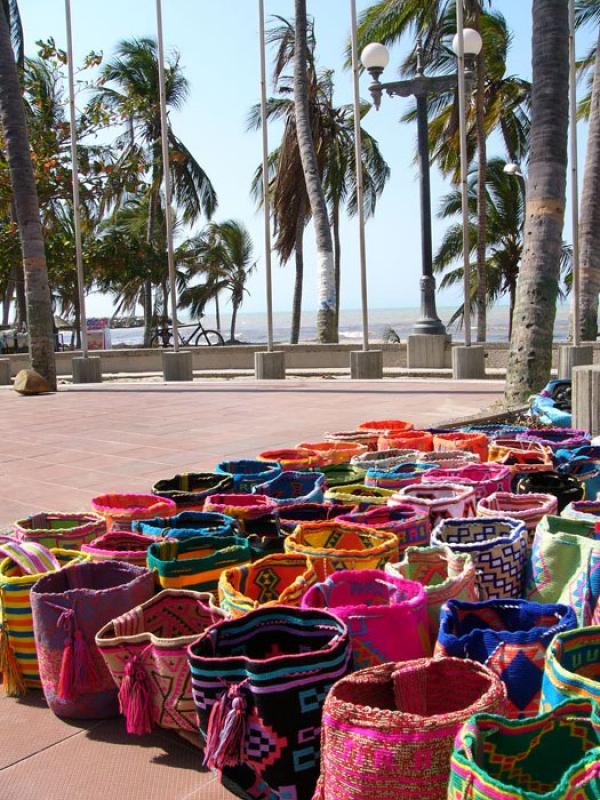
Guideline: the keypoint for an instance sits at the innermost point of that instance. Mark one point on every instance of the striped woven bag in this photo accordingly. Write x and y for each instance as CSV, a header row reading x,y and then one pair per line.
x,y
529,508
410,524
484,478
572,668
189,490
55,529
119,546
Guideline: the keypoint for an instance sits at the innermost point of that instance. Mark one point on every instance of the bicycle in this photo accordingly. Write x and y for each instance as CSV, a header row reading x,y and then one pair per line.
x,y
163,337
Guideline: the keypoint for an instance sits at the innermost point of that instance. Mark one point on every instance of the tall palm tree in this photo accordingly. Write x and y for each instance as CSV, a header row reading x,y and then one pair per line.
x,y
14,126
131,89
326,320
530,354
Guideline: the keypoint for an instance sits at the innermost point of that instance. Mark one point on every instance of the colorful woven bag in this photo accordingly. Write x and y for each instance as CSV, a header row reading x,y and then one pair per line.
x,y
121,510
440,500
498,547
445,576
388,731
381,426
295,458
456,440
342,475
335,452
196,562
557,438
372,604
145,650
572,668
528,508
293,487
53,529
521,456
449,459
241,507
565,567
360,437
190,489
248,473
410,524
584,511
281,579
119,546
414,440
484,478
69,608
397,477
508,636
332,547
554,756
188,523
583,464
22,565
565,488
495,430
385,459
292,516
259,683
357,494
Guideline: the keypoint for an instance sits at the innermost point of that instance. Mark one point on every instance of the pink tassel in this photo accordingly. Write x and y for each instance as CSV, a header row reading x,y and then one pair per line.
x,y
77,669
135,698
215,725
227,731
66,680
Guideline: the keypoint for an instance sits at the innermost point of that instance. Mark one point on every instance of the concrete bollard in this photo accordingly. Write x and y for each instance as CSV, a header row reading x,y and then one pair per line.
x,y
86,369
427,350
468,362
586,399
269,366
571,355
366,365
177,366
5,372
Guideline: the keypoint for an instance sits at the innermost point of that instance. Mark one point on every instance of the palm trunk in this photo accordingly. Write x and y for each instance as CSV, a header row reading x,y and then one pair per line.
x,y
8,298
481,190
589,223
299,282
153,207
530,355
37,290
327,330
217,314
21,300
511,294
234,314
337,259
77,315
148,312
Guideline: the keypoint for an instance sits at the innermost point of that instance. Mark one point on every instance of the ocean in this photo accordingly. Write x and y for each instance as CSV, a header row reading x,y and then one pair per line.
x,y
252,327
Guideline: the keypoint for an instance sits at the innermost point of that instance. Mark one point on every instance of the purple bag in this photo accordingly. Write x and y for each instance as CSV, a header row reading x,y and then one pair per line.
x,y
69,608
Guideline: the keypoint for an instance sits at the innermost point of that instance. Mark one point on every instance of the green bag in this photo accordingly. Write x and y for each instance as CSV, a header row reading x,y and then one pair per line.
x,y
554,756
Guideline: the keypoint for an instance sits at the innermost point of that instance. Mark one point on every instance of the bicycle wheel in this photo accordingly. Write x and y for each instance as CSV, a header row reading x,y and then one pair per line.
x,y
210,338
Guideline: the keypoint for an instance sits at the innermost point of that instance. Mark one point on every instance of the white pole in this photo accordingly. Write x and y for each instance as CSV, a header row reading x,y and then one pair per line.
x,y
359,178
574,174
265,172
75,171
462,113
164,125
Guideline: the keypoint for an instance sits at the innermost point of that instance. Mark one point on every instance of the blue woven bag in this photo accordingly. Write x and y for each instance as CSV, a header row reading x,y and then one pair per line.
x,y
583,464
188,523
290,488
248,473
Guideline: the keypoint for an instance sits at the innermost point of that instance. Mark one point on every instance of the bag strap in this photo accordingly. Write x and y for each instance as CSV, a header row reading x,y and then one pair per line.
x,y
31,557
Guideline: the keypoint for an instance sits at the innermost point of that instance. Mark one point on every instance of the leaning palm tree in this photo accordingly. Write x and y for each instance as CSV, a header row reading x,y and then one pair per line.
x,y
12,117
326,320
530,355
131,89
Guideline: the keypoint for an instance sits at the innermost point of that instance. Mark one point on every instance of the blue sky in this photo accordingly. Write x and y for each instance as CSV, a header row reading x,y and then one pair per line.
x,y
219,53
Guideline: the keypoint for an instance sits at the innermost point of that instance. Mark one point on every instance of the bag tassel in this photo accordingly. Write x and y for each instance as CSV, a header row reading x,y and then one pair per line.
x,y
77,668
135,698
12,679
226,731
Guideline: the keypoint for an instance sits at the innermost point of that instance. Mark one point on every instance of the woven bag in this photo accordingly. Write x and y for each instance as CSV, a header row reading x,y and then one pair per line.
x,y
360,437
295,458
188,523
335,452
449,459
495,430
445,576
521,456
69,608
553,756
381,426
356,494
259,683
53,529
528,508
410,524
342,475
557,438
440,500
508,636
279,579
196,562
498,547
22,565
248,473
397,477
119,546
572,668
484,478
565,488
293,487
373,604
385,459
292,516
332,547
121,510
414,440
456,440
145,650
565,567
388,731
190,489
241,507
584,511
583,464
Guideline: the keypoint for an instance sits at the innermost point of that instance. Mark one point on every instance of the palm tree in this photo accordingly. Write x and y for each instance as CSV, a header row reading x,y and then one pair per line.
x,y
131,90
530,355
223,256
14,126
326,320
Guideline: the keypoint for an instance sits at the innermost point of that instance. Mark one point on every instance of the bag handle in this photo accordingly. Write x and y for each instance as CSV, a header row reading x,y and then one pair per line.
x,y
31,557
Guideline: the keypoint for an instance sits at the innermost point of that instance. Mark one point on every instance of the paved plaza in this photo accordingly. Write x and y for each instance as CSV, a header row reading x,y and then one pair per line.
x,y
58,451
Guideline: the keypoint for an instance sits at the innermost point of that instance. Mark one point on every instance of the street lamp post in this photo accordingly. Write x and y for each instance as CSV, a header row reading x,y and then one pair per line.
x,y
375,58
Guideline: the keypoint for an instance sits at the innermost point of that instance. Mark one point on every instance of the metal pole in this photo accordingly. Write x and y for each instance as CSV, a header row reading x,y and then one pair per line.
x,y
359,178
265,169
164,127
574,175
462,113
75,171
